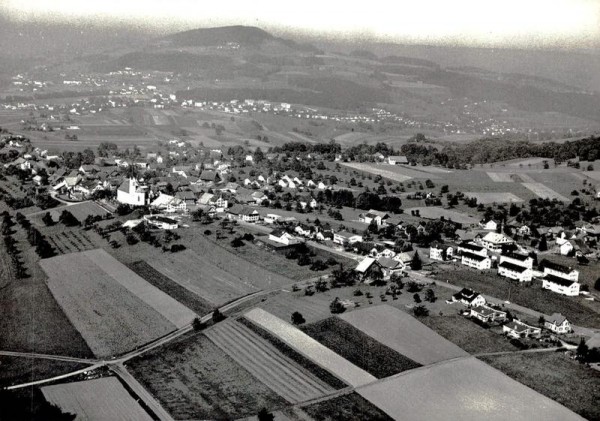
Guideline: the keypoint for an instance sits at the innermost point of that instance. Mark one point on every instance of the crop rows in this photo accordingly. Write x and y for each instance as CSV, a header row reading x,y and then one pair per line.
x,y
264,362
70,242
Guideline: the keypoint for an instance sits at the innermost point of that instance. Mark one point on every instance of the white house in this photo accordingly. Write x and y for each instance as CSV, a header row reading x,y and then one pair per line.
x,y
494,241
472,248
469,298
168,203
243,213
487,314
490,225
130,192
271,218
517,329
512,271
390,266
561,285
517,259
476,261
397,160
161,222
565,247
557,323
345,237
437,252
280,236
561,271
373,216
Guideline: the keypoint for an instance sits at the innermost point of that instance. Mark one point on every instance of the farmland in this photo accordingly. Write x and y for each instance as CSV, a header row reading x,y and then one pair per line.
x,y
71,241
464,389
545,192
194,379
432,212
579,312
404,334
80,211
487,198
468,335
350,407
358,348
557,383
281,374
172,288
15,370
114,309
312,349
97,399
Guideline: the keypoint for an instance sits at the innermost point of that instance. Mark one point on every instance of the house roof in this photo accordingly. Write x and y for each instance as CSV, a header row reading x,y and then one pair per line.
x,y
516,256
518,326
474,256
512,267
556,266
469,246
365,264
494,237
399,158
209,175
557,319
241,210
559,281
389,263
486,311
466,294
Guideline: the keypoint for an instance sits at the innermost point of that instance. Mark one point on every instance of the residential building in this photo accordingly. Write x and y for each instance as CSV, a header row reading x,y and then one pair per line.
x,y
397,160
390,266
472,248
512,271
345,237
561,271
283,237
469,298
243,213
561,285
373,216
517,259
494,241
437,252
557,323
476,261
517,329
487,314
367,267
490,224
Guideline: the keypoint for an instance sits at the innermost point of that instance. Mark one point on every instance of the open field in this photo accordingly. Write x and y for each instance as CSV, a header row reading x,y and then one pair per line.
x,y
554,375
400,173
507,177
114,309
16,370
310,348
384,171
71,241
578,311
359,348
281,374
404,334
172,288
464,389
98,399
545,192
350,407
433,212
468,335
79,211
194,379
203,277
487,198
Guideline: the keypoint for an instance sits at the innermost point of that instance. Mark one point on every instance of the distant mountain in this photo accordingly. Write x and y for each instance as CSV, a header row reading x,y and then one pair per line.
x,y
248,36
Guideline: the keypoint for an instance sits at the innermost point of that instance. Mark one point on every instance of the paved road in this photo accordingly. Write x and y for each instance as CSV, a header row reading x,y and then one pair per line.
x,y
526,351
141,392
49,357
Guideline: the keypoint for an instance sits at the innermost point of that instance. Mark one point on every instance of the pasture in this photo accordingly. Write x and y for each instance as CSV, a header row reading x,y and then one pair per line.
x,y
487,198
98,399
358,347
193,378
281,374
310,348
387,171
556,383
79,211
461,389
403,333
545,192
114,309
433,212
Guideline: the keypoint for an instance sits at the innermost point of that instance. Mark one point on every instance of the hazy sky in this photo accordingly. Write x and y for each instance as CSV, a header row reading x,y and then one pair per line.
x,y
519,23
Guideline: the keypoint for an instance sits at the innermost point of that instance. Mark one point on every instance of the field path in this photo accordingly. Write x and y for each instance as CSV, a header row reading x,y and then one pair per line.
x,y
266,363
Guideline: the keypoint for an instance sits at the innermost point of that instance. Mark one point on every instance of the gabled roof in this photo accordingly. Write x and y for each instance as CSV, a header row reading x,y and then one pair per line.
x,y
557,319
556,266
365,264
516,256
209,175
469,246
389,263
512,267
473,256
559,281
466,294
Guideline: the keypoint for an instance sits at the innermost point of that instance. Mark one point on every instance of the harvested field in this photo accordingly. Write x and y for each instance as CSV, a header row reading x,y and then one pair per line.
x,y
202,277
507,177
359,348
281,374
545,192
194,379
468,335
384,171
113,308
580,396
432,212
403,333
463,389
350,407
98,399
16,370
312,349
313,307
486,198
172,288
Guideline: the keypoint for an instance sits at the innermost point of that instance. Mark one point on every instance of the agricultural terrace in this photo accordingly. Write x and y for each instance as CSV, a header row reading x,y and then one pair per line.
x,y
403,333
192,378
98,399
359,348
310,348
463,389
114,309
556,383
281,374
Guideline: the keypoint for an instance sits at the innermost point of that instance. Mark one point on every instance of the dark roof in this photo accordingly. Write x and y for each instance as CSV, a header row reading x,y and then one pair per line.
x,y
466,294
559,281
474,256
469,246
512,267
277,232
555,266
209,176
516,256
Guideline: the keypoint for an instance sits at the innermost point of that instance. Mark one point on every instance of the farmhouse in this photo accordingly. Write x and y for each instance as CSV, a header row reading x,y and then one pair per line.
x,y
517,329
494,241
476,261
373,216
490,224
130,192
390,266
561,285
397,160
243,213
561,271
487,314
557,323
168,203
512,271
367,267
469,298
